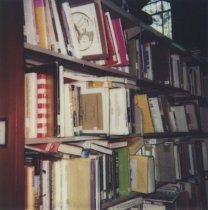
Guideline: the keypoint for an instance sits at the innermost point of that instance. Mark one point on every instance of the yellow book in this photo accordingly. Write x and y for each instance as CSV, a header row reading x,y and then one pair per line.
x,y
142,174
142,102
40,18
79,184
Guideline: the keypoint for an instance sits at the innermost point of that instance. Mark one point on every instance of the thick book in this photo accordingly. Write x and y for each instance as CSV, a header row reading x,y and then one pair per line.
x,y
112,57
54,71
133,203
124,185
87,17
142,173
180,117
94,110
156,114
118,112
141,101
134,144
57,147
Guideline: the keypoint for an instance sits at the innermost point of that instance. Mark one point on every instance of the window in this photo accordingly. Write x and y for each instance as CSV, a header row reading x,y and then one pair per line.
x,y
160,10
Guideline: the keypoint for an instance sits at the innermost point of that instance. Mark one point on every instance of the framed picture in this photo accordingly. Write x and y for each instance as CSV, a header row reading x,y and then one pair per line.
x,y
87,16
3,132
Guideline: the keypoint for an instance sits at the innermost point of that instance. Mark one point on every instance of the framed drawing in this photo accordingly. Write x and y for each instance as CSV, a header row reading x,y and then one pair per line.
x,y
3,132
87,17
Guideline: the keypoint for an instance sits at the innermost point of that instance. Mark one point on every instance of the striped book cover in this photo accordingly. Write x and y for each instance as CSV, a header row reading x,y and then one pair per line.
x,y
42,113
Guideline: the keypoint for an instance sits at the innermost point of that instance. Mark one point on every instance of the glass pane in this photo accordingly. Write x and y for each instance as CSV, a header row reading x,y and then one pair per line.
x,y
167,26
153,8
166,5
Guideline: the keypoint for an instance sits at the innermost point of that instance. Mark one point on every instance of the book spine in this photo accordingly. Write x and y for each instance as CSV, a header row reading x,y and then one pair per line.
x,y
31,105
41,106
41,23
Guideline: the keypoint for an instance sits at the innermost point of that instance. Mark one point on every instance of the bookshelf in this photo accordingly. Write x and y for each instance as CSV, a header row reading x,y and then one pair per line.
x,y
22,54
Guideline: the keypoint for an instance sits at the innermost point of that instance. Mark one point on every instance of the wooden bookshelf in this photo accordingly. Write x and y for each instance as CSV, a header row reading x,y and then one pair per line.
x,y
15,55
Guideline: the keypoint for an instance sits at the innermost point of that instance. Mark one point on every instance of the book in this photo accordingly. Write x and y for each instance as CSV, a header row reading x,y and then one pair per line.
x,y
121,42
166,161
73,45
142,173
112,57
40,17
124,185
191,115
87,17
180,117
45,174
128,204
42,106
94,110
80,178
134,144
50,27
156,114
112,32
68,110
57,147
59,30
141,101
118,112
78,76
29,192
31,105
55,86
30,28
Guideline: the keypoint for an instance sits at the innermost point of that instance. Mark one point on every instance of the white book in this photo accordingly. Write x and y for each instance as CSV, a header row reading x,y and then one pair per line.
x,y
30,31
46,183
65,188
113,36
83,77
180,116
191,117
177,162
84,17
61,41
127,204
68,111
175,60
205,154
156,114
118,112
56,185
73,45
30,105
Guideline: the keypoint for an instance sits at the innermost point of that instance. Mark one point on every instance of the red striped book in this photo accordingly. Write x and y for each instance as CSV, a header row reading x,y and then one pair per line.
x,y
42,105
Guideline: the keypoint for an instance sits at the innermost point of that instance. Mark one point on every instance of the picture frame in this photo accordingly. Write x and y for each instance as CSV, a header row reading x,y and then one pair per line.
x,y
3,132
87,16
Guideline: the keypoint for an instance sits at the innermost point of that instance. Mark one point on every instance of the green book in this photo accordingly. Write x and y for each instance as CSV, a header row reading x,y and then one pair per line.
x,y
124,171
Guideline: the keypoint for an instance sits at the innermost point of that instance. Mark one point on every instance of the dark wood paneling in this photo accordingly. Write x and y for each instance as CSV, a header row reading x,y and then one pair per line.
x,y
12,104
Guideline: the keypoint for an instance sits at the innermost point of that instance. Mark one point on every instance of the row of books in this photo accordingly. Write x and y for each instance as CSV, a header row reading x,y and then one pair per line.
x,y
81,29
176,160
111,172
101,39
61,103
65,103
